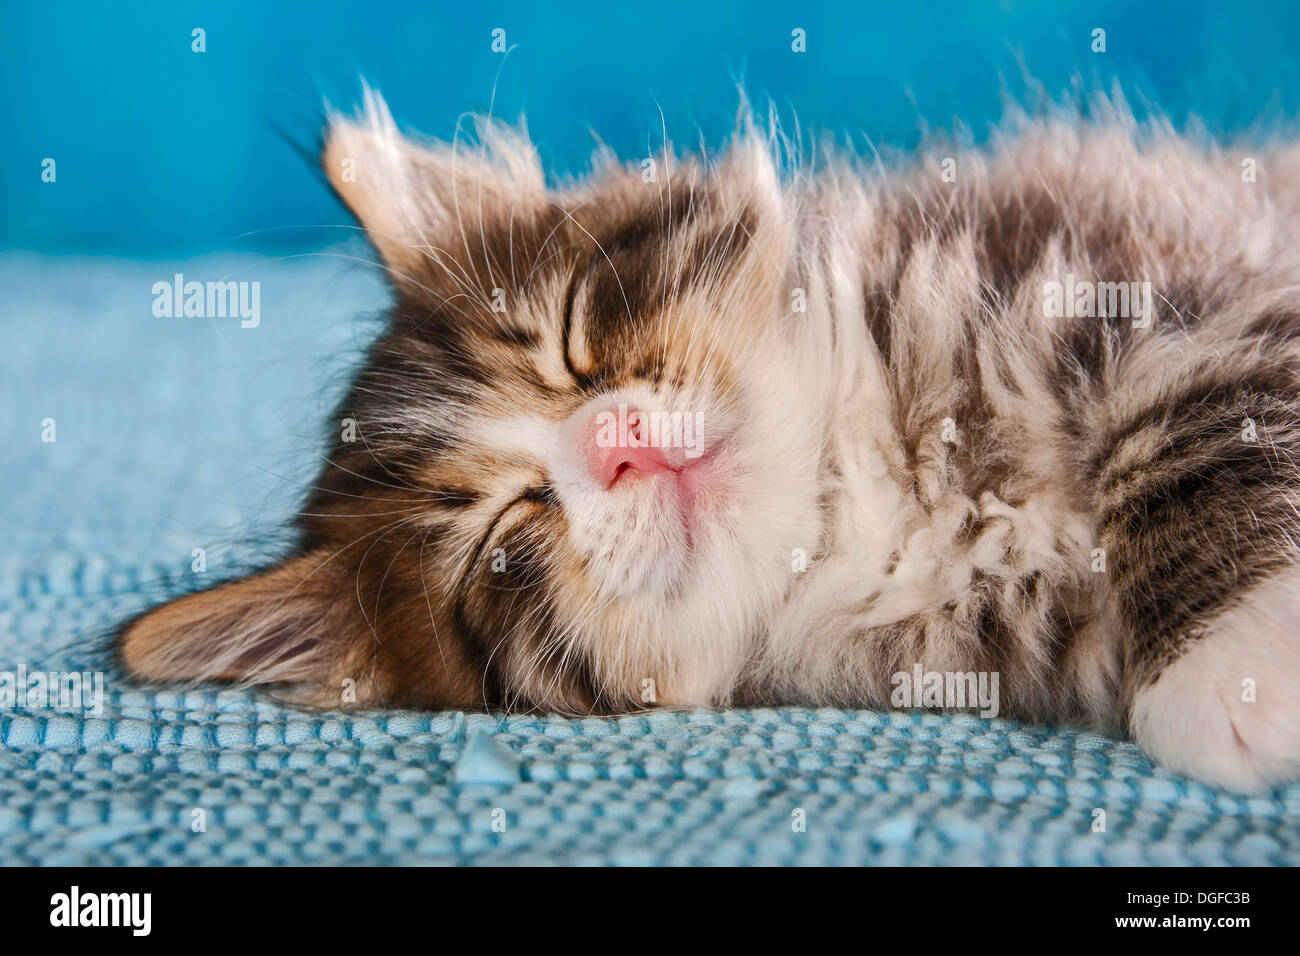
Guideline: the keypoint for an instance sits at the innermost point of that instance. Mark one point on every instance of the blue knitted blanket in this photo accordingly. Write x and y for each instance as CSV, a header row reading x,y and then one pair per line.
x,y
173,435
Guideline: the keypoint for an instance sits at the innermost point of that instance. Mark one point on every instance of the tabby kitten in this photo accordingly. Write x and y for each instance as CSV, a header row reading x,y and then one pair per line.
x,y
694,434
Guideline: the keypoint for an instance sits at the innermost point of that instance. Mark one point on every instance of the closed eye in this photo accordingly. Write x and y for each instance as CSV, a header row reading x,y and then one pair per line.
x,y
536,496
544,494
584,380
456,498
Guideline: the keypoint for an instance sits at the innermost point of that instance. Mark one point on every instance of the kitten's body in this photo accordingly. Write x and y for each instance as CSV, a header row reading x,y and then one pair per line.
x,y
911,463
1098,510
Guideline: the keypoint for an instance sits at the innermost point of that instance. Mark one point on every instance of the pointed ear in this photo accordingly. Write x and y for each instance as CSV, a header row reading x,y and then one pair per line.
x,y
418,201
295,623
760,237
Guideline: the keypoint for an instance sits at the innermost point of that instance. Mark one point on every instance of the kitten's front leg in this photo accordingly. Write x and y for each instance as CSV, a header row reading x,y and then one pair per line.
x,y
1199,504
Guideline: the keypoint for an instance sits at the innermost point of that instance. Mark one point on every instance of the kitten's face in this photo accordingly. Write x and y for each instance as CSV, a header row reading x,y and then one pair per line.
x,y
570,477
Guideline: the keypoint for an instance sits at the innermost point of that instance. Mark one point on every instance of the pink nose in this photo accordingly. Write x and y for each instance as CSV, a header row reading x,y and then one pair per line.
x,y
612,452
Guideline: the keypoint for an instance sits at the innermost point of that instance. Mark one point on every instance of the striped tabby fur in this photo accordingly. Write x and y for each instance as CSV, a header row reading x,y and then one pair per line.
x,y
916,459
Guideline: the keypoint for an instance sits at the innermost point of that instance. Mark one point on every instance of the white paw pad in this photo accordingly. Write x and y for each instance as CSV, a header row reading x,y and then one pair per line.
x,y
1228,710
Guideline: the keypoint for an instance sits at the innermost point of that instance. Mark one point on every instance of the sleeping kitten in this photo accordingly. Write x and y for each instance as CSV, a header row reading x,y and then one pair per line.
x,y
707,435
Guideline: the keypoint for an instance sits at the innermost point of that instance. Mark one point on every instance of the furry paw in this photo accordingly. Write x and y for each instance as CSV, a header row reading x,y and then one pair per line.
x,y
1228,710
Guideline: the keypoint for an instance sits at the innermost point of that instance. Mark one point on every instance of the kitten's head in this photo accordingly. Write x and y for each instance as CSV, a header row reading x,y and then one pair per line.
x,y
572,473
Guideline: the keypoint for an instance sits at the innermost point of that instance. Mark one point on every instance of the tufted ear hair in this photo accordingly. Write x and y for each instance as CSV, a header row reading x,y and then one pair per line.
x,y
425,203
296,623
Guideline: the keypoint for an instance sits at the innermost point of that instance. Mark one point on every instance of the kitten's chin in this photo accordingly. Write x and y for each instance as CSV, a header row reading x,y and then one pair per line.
x,y
668,525
701,490
647,519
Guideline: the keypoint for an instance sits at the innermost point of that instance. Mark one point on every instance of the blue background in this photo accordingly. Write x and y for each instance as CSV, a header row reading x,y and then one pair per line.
x,y
162,151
